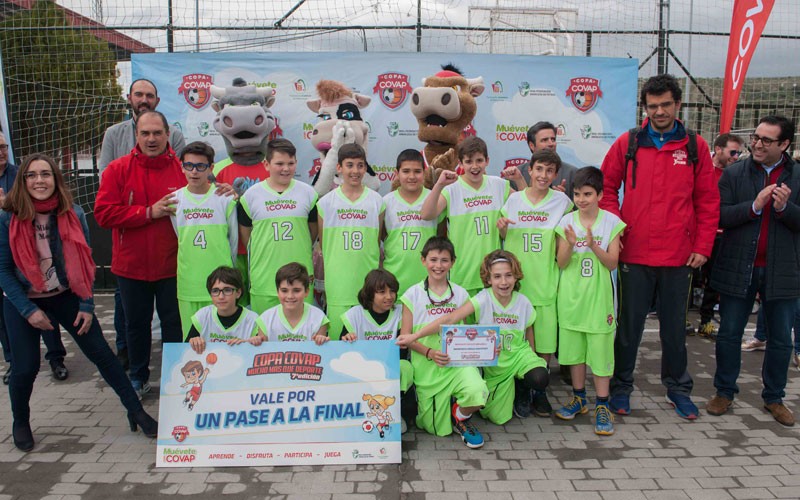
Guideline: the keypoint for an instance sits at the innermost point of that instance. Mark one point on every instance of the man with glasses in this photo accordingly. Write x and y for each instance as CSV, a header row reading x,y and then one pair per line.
x,y
727,148
760,215
118,141
52,338
671,207
207,230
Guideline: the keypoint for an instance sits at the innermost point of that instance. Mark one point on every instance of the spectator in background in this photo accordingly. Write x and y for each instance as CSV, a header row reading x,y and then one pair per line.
x,y
118,141
48,276
760,216
542,135
727,148
52,338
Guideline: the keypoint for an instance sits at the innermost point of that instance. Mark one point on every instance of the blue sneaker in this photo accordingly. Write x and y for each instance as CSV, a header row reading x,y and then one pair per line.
x,y
469,433
574,407
603,421
620,404
683,405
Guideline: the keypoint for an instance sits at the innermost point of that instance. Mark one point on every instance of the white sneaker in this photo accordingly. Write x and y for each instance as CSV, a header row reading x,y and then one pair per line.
x,y
754,344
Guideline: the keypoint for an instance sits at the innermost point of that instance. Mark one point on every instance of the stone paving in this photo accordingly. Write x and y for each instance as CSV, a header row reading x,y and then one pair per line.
x,y
85,450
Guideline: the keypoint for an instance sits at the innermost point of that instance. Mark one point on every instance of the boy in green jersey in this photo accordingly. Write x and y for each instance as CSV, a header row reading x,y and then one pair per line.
x,y
278,223
350,219
528,228
472,203
224,320
406,231
436,382
205,223
588,250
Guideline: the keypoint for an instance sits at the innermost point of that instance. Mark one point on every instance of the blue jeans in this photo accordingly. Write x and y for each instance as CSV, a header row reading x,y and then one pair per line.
x,y
119,321
734,313
24,339
51,338
761,327
137,300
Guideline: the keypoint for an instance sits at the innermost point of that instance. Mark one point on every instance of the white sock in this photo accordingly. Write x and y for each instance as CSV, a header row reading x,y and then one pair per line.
x,y
460,415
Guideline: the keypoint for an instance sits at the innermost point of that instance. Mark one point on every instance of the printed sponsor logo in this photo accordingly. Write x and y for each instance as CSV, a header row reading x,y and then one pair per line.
x,y
584,92
511,133
179,455
299,365
525,90
196,89
393,89
516,162
497,87
180,433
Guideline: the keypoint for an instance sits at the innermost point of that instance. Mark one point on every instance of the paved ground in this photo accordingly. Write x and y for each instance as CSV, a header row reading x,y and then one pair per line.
x,y
84,450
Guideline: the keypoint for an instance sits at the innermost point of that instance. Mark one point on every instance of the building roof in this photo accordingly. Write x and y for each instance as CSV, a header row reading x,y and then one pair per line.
x,y
122,45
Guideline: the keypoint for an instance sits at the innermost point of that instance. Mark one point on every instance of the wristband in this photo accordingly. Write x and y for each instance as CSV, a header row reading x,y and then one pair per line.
x,y
427,352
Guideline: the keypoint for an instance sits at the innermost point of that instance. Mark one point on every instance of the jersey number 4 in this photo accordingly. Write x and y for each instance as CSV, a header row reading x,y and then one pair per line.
x,y
200,239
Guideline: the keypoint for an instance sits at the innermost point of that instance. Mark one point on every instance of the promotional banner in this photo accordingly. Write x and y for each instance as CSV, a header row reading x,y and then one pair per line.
x,y
4,126
590,100
282,403
747,24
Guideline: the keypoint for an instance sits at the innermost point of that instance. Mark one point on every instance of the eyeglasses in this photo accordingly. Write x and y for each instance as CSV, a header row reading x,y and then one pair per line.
x,y
3,147
766,141
227,291
662,105
734,152
31,176
438,302
200,167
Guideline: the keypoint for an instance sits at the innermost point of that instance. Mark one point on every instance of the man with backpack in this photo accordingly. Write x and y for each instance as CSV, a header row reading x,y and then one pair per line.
x,y
670,203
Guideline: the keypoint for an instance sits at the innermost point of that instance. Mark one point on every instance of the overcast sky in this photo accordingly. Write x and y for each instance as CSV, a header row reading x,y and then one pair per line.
x,y
774,57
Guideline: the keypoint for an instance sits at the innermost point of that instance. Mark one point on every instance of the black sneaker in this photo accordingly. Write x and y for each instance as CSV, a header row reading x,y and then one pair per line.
x,y
60,371
522,402
541,406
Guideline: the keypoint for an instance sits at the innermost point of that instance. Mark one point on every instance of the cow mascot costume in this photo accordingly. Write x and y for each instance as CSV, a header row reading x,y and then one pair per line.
x,y
339,111
245,122
444,108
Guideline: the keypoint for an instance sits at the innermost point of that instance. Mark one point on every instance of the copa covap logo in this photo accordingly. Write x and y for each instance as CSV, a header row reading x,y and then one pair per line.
x,y
393,89
196,89
584,92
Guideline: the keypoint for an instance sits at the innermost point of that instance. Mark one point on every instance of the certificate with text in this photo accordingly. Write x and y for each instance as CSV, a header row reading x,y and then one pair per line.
x,y
470,345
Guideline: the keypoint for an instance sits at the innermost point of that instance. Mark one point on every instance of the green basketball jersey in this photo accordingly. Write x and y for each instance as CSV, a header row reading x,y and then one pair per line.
x,y
512,319
208,235
533,240
406,234
359,321
350,246
280,231
426,307
207,322
278,329
472,225
586,294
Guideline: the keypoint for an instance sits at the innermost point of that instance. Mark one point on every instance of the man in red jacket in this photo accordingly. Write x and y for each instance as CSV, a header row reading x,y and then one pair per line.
x,y
135,200
671,206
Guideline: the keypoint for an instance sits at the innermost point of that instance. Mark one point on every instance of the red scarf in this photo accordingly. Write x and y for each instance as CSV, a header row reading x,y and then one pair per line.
x,y
76,253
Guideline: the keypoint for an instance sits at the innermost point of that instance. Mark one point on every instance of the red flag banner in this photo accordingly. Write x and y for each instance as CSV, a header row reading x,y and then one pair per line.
x,y
749,19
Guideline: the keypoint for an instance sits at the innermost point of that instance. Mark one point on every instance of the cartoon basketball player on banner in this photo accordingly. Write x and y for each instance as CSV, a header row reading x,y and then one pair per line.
x,y
195,376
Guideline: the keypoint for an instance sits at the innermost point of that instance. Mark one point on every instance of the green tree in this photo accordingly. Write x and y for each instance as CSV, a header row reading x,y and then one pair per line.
x,y
61,84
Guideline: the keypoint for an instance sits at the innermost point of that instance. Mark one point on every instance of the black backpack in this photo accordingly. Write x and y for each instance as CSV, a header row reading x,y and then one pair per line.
x,y
633,145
